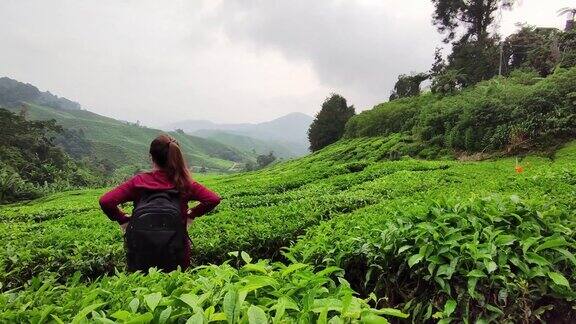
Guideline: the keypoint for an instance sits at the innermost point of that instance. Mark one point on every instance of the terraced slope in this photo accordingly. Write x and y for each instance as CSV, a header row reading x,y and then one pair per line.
x,y
442,240
127,144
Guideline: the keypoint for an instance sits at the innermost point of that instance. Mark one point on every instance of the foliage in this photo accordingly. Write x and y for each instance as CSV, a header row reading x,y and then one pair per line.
x,y
350,202
328,126
514,114
475,60
408,85
474,16
534,48
447,82
31,161
493,258
265,159
258,292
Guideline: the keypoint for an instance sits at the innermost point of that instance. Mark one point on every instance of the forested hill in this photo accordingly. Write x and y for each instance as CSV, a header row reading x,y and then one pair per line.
x,y
122,144
13,93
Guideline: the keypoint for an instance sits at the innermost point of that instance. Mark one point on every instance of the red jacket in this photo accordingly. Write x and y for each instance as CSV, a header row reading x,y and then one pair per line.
x,y
157,179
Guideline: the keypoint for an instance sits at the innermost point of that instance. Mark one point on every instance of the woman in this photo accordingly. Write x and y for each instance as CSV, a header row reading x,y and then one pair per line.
x,y
169,173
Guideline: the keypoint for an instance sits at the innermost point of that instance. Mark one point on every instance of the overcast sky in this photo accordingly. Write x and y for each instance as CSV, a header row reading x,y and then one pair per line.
x,y
225,61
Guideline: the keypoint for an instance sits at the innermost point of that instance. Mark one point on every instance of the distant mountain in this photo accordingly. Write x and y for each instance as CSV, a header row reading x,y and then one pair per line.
x,y
13,93
251,144
289,131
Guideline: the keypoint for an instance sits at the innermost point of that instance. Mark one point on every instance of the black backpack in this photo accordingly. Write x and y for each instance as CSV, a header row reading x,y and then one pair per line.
x,y
156,235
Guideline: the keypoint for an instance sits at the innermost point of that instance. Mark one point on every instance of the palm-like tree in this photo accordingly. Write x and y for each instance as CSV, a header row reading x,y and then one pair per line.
x,y
570,12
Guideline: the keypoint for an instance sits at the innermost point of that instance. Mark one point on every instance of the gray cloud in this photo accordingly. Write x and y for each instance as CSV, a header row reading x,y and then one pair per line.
x,y
228,61
355,47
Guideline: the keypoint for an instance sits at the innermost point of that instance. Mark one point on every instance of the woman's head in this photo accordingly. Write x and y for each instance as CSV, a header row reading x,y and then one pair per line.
x,y
166,154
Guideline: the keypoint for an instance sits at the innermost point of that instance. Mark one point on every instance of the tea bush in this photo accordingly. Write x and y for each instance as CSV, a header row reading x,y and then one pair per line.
x,y
347,206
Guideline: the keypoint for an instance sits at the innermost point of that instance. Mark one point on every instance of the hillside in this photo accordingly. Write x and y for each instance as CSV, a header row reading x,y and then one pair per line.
x,y
127,144
13,93
429,237
289,131
520,113
251,144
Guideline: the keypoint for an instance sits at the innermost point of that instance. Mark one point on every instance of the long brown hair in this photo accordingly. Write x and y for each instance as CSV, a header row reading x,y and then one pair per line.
x,y
166,153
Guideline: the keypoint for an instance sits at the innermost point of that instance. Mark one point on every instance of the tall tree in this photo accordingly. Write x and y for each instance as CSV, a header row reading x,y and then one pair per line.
x,y
475,53
328,126
475,16
535,48
570,14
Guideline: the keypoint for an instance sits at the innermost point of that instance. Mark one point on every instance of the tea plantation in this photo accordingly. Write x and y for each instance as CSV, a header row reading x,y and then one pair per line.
x,y
342,235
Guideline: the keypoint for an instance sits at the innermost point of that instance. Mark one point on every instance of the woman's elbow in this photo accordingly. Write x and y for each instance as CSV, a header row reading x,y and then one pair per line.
x,y
214,201
105,203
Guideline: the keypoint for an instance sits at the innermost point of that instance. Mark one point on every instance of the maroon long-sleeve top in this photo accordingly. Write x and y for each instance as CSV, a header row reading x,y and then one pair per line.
x,y
158,180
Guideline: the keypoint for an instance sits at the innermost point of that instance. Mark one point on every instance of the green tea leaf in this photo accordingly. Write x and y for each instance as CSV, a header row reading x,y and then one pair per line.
x,y
189,299
218,317
552,243
476,274
491,266
503,240
197,318
245,257
230,305
256,315
414,260
57,319
559,279
122,315
567,255
85,311
536,259
449,307
134,303
141,319
164,315
152,300
374,319
391,312
293,267
403,248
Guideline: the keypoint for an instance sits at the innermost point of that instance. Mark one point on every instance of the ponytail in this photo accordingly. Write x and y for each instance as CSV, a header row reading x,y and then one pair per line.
x,y
166,153
176,167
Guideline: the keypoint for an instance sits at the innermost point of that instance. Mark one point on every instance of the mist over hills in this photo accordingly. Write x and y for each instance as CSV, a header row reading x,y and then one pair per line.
x,y
286,135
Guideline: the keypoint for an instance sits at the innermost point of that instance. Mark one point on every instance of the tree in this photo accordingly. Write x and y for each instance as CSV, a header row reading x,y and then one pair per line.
x,y
328,126
265,159
28,148
408,85
475,60
534,48
439,63
475,55
249,166
473,16
570,13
